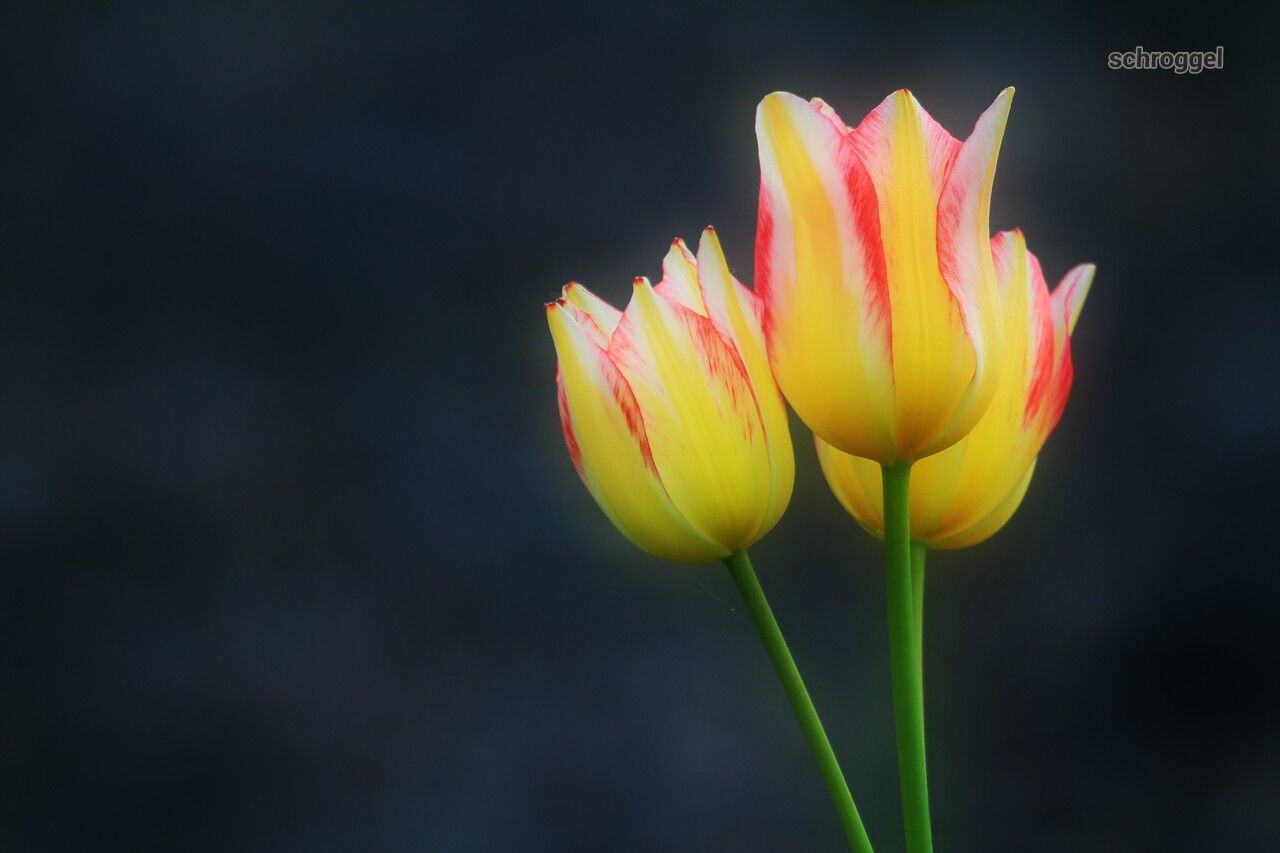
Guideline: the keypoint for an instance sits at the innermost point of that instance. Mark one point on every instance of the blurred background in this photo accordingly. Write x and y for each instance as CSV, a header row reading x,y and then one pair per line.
x,y
294,558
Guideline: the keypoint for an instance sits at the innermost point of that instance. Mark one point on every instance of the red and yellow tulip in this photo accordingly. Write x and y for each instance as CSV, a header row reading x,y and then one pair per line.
x,y
966,493
669,410
872,266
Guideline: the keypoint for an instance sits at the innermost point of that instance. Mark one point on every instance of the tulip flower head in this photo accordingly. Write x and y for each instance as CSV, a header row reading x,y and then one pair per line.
x,y
873,270
966,493
670,413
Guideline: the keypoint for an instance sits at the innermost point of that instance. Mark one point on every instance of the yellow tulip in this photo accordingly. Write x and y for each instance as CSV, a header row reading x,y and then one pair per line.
x,y
872,266
669,410
966,493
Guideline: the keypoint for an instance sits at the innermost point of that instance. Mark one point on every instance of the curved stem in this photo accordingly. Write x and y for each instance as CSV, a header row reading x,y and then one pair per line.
x,y
748,584
905,658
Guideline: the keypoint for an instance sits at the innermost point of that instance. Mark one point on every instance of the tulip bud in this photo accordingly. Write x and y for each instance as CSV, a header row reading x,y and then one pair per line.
x,y
670,412
966,493
872,266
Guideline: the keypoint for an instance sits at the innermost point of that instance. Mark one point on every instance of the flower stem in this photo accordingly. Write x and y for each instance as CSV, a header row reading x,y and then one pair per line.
x,y
905,656
744,576
918,552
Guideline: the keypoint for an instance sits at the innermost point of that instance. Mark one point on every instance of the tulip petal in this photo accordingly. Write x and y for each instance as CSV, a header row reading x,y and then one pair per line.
x,y
1042,369
700,414
1069,295
734,311
680,278
893,135
990,524
605,434
820,276
604,315
964,209
937,357
856,484
1061,310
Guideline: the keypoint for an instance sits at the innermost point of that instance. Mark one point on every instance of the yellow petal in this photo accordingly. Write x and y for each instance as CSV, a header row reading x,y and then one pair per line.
x,y
965,262
733,310
856,484
680,278
820,277
605,433
604,315
996,454
989,525
700,415
941,385
1070,293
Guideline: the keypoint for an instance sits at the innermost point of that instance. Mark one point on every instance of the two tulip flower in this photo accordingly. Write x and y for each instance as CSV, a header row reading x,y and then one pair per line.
x,y
930,361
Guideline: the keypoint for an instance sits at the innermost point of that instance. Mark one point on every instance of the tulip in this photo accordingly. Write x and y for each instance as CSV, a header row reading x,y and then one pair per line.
x,y
674,423
669,411
881,318
873,270
966,493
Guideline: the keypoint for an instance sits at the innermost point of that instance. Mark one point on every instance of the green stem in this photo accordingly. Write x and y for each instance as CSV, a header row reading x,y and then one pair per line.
x,y
905,657
744,576
918,552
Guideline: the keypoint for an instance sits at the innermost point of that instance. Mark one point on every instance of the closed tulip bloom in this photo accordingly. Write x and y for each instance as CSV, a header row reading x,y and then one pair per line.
x,y
966,493
669,410
874,272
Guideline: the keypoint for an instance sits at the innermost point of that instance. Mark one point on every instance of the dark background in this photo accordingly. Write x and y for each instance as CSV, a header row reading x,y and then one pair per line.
x,y
294,558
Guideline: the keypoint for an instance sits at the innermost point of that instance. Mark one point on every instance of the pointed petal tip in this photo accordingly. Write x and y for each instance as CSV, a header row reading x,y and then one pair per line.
x,y
904,97
1003,100
710,253
998,111
1017,239
1072,291
1082,274
572,293
1085,272
781,99
709,238
558,317
678,247
1003,97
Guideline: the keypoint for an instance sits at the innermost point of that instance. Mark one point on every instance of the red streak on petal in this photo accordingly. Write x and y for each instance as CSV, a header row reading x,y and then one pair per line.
x,y
1043,369
566,424
764,265
626,400
866,222
722,360
1053,398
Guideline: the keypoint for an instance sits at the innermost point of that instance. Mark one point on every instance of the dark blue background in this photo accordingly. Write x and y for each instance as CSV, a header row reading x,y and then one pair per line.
x,y
294,558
